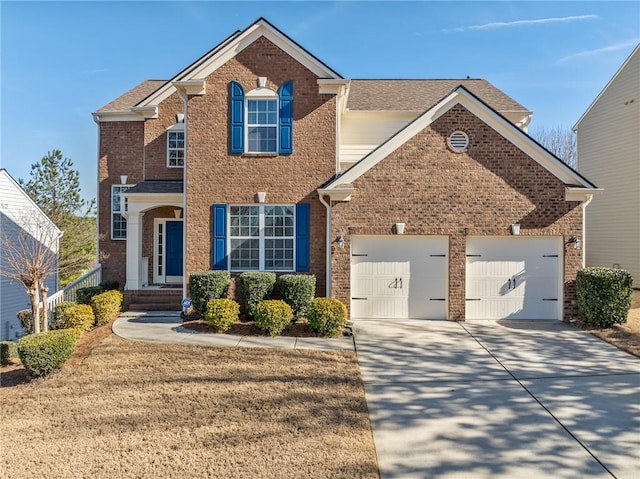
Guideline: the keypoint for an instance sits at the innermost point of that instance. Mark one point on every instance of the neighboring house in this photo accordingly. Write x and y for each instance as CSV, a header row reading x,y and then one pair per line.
x,y
21,223
608,136
406,198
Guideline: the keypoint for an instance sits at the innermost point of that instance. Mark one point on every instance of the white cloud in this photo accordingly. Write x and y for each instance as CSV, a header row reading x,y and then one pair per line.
x,y
520,23
598,51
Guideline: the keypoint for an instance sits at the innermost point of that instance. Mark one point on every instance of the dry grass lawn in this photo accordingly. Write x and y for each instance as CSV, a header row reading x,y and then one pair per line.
x,y
147,410
625,336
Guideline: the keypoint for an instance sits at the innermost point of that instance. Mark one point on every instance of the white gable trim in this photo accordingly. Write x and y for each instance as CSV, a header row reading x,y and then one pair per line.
x,y
500,124
230,48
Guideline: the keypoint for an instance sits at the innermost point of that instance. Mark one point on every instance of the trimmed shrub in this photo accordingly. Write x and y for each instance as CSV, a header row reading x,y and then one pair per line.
x,y
8,350
24,316
273,316
255,286
110,285
207,285
59,315
604,295
327,316
84,295
79,318
297,290
44,352
106,306
222,313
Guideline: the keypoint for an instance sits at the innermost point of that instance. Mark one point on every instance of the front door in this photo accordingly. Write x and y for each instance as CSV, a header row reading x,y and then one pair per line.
x,y
174,251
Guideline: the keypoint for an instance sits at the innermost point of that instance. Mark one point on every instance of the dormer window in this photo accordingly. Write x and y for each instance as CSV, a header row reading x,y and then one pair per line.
x,y
175,146
261,120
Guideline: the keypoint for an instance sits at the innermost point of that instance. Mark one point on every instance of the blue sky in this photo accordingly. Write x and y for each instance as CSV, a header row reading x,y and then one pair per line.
x,y
60,61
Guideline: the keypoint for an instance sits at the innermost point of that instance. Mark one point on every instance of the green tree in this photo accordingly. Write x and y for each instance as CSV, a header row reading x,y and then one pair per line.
x,y
55,187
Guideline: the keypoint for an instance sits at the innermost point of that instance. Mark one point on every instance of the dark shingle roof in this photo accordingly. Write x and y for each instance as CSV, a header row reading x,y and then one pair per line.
x,y
422,94
158,186
133,96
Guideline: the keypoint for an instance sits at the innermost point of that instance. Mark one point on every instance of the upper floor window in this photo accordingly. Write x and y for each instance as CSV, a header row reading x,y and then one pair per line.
x,y
261,121
175,146
118,207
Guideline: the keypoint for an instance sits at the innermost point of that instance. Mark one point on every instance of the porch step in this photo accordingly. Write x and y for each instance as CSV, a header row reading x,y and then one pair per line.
x,y
154,300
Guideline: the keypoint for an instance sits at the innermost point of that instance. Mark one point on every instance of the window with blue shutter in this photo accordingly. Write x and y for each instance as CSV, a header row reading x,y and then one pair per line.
x,y
236,122
219,236
285,121
303,226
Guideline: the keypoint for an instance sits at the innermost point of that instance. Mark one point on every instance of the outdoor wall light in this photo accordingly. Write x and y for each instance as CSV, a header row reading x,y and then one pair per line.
x,y
515,229
340,241
123,179
575,241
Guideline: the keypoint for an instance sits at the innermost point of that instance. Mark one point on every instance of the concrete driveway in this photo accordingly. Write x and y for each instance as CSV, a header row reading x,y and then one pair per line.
x,y
512,399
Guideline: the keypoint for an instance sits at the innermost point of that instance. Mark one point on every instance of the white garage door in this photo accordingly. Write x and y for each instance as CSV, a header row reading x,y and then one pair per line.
x,y
399,276
514,278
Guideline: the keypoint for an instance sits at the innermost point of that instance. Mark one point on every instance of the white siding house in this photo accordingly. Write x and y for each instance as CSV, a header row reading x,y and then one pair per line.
x,y
608,136
20,218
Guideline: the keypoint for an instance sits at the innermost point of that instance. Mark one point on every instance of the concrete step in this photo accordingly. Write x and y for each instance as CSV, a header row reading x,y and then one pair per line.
x,y
153,306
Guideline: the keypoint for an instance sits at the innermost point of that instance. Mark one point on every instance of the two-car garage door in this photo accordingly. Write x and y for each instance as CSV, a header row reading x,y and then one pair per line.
x,y
512,277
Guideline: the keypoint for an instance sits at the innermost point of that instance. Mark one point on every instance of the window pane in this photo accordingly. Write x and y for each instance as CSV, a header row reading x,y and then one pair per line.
x,y
278,254
245,254
262,139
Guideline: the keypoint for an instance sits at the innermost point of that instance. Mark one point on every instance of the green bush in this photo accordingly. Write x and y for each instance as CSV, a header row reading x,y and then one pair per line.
x,y
24,316
207,285
106,306
255,286
273,316
79,317
327,316
297,290
8,350
59,315
110,285
84,295
222,313
44,352
604,295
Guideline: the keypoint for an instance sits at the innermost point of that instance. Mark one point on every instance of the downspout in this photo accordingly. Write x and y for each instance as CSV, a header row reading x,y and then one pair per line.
x,y
328,251
584,229
96,119
182,93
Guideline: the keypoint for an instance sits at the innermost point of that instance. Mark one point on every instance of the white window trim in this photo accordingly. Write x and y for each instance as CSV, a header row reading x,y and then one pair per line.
x,y
123,203
261,237
261,94
178,127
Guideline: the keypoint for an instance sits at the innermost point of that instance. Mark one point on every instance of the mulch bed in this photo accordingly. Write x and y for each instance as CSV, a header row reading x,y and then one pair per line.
x,y
299,329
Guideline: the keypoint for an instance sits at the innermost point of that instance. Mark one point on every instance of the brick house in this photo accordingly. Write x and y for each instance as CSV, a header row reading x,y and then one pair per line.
x,y
406,198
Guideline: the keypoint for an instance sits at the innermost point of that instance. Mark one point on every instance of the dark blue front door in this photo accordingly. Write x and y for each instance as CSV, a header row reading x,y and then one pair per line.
x,y
174,248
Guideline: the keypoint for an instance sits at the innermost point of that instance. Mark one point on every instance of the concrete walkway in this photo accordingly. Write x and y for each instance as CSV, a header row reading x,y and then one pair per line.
x,y
166,327
513,399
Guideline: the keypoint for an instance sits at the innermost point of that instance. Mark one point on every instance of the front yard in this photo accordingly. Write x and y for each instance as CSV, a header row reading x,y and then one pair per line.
x,y
148,410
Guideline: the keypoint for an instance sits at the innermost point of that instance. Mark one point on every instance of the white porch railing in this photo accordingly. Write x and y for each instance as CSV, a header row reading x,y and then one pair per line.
x,y
68,293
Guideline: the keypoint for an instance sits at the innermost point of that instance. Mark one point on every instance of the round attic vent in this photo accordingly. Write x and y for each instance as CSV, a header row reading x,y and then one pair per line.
x,y
458,141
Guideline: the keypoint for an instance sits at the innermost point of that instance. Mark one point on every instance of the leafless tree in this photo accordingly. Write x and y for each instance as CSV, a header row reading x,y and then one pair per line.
x,y
559,141
30,251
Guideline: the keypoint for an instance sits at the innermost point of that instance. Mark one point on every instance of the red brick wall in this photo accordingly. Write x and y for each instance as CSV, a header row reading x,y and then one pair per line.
x,y
436,191
155,141
215,176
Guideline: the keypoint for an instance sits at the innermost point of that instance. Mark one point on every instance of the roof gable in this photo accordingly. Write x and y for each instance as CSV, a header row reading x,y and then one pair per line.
x,y
492,118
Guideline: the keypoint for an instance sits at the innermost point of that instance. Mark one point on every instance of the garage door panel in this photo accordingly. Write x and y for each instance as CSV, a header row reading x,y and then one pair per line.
x,y
400,276
514,277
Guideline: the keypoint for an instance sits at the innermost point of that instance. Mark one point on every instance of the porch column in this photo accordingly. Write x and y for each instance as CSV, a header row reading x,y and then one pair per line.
x,y
134,250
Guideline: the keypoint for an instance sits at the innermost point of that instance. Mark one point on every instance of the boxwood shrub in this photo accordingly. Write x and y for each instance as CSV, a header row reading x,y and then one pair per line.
x,y
106,306
207,285
255,286
110,285
42,353
327,316
24,316
273,316
79,318
59,315
297,290
222,313
8,350
604,295
84,295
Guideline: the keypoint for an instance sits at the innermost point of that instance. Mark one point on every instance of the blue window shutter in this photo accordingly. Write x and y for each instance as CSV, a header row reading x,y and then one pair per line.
x,y
285,93
302,237
219,237
236,120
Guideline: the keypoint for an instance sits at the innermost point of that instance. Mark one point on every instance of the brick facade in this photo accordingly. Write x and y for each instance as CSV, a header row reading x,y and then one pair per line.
x,y
480,192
